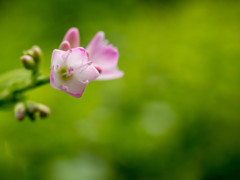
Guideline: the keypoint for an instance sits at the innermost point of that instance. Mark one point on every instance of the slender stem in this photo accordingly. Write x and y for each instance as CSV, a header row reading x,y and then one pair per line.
x,y
38,82
34,75
14,94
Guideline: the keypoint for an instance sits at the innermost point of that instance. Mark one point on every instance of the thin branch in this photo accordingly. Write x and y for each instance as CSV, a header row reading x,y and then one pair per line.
x,y
39,82
14,94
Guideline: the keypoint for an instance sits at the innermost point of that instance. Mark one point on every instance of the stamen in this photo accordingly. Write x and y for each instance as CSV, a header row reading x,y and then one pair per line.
x,y
65,73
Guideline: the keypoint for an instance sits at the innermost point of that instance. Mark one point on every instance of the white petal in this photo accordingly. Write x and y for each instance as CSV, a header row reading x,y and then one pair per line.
x,y
57,57
77,57
87,73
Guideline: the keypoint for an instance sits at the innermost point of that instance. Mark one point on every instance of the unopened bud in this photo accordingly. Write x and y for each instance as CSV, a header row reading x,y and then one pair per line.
x,y
44,110
32,110
20,111
36,111
36,52
31,107
28,62
28,52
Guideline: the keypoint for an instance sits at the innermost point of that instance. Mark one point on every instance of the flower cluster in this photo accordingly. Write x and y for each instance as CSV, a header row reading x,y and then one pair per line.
x,y
73,67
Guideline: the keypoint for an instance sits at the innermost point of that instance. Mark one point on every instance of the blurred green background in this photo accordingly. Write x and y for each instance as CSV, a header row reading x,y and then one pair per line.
x,y
174,115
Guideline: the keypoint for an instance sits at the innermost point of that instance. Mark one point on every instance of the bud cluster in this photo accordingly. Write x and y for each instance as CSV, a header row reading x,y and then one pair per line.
x,y
31,109
31,58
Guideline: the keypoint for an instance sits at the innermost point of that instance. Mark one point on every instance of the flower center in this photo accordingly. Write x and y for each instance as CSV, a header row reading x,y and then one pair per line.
x,y
65,72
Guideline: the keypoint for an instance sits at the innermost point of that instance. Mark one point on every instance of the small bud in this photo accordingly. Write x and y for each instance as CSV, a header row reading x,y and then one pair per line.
x,y
36,111
28,52
44,110
32,110
65,45
28,62
36,52
32,107
20,111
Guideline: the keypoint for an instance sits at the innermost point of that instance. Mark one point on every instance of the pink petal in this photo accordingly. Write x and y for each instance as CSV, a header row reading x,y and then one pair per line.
x,y
65,45
98,68
72,36
52,79
110,75
95,42
105,56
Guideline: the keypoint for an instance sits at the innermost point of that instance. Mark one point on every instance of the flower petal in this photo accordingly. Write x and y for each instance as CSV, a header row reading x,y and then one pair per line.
x,y
111,75
95,42
57,57
74,88
105,56
77,57
87,74
72,36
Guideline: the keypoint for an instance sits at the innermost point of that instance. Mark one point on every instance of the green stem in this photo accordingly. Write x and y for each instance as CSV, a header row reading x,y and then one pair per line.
x,y
38,82
14,94
34,76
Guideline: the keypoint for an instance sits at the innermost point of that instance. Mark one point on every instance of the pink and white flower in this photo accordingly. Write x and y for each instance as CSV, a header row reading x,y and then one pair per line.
x,y
73,67
72,71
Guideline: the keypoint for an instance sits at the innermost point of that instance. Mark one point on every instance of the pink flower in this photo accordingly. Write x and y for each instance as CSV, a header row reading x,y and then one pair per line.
x,y
73,67
71,71
103,55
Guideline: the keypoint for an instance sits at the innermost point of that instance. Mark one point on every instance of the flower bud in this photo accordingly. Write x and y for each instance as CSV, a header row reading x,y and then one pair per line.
x,y
36,52
36,111
44,110
28,52
31,107
20,111
28,62
32,110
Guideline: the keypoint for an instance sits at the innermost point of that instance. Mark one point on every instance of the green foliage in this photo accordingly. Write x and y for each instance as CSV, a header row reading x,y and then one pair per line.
x,y
174,115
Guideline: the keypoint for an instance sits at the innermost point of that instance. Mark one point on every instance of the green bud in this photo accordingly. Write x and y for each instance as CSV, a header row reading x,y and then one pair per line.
x,y
28,62
32,107
32,110
28,52
44,110
20,111
36,52
36,111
